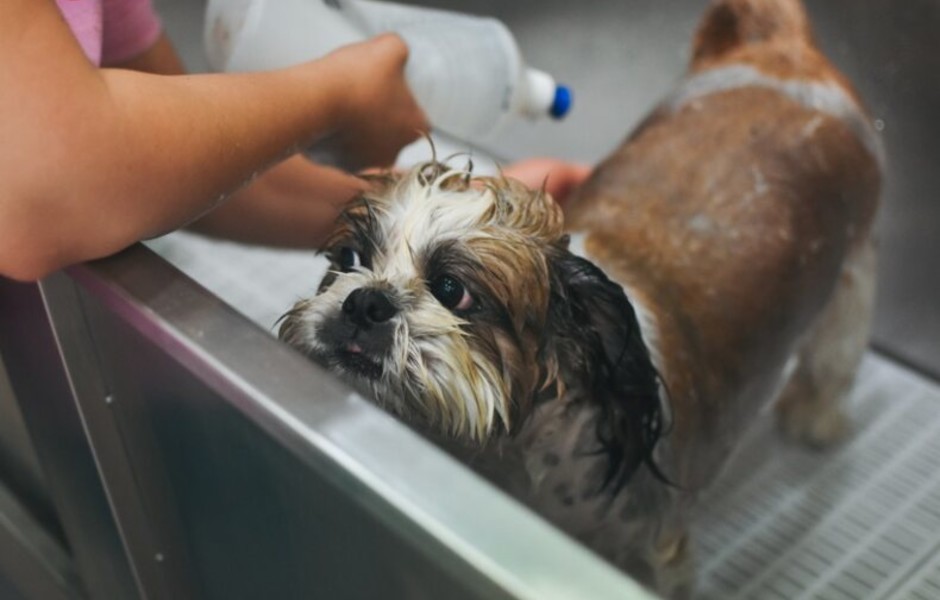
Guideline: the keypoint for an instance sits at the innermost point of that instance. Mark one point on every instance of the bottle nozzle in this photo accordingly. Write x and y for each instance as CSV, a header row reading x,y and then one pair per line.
x,y
562,102
544,96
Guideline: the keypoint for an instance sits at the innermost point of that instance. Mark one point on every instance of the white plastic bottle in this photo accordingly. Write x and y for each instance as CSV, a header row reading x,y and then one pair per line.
x,y
466,72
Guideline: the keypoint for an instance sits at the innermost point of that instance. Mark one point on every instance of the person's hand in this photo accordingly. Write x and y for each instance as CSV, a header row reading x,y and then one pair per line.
x,y
559,177
377,115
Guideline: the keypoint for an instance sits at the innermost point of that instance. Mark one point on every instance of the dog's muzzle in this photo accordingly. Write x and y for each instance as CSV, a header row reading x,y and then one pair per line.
x,y
362,334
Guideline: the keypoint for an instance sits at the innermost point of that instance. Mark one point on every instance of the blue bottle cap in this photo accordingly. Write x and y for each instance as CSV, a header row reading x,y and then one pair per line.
x,y
562,102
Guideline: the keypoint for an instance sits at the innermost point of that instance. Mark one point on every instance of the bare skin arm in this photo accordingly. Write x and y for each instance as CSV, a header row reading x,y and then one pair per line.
x,y
295,203
92,160
291,204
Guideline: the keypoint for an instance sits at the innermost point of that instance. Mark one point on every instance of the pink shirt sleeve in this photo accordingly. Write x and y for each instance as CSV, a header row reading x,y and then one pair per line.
x,y
129,27
84,19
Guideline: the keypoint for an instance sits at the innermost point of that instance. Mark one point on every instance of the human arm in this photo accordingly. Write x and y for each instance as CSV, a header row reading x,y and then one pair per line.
x,y
293,204
93,160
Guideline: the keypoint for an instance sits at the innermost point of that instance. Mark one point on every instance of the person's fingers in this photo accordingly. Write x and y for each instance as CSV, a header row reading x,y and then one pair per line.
x,y
559,177
381,115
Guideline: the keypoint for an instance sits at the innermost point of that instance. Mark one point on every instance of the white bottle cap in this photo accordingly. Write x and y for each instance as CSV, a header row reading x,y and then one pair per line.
x,y
543,96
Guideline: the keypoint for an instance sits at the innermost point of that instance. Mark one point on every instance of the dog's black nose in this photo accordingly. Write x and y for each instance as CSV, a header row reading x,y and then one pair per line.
x,y
369,306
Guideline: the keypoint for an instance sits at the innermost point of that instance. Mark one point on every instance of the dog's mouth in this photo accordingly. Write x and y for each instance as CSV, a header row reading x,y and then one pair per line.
x,y
351,358
350,349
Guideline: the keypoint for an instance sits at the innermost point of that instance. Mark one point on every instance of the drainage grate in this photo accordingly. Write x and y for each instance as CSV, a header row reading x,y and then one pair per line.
x,y
859,521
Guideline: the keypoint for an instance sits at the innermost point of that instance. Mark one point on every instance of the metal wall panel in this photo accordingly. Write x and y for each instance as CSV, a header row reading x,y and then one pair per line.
x,y
19,466
30,353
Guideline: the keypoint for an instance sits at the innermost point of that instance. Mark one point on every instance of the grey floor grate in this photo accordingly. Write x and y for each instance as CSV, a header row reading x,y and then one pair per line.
x,y
859,521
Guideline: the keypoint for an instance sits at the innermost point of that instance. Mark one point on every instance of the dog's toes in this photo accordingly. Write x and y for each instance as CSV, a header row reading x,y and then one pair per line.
x,y
819,427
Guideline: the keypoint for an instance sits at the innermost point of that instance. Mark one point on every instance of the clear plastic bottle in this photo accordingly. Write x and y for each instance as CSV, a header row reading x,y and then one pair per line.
x,y
466,72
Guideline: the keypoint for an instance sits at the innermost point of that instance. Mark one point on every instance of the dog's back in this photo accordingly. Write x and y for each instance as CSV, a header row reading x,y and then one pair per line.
x,y
729,215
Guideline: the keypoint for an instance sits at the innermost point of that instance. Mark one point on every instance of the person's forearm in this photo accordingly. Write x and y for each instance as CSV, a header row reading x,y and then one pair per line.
x,y
142,154
93,160
197,137
293,205
159,59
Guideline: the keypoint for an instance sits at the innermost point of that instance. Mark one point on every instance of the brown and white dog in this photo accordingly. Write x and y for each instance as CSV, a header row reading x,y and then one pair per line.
x,y
721,258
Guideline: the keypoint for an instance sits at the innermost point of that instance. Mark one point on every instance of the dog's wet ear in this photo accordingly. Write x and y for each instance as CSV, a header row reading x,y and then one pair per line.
x,y
593,336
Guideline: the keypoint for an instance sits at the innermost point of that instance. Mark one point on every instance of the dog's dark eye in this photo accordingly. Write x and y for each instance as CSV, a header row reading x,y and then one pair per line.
x,y
348,259
451,293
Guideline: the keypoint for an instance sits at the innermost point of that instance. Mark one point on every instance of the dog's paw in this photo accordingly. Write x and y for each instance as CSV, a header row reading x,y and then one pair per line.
x,y
817,426
674,565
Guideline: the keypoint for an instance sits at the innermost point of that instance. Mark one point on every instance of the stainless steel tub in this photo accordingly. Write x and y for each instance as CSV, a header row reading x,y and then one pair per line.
x,y
191,455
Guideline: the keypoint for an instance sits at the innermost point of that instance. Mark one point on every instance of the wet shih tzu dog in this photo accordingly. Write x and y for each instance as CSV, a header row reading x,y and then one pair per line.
x,y
602,370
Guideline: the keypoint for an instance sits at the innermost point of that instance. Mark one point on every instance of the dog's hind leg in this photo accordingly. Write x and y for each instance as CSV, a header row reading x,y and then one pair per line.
x,y
809,406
